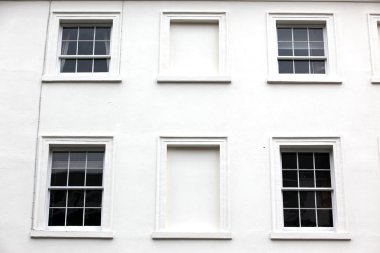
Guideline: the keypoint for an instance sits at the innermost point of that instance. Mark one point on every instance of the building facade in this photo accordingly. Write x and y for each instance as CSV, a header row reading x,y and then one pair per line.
x,y
190,126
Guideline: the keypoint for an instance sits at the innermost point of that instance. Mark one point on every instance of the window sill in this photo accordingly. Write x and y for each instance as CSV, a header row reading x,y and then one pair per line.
x,y
287,235
72,234
193,79
375,80
304,79
192,235
80,78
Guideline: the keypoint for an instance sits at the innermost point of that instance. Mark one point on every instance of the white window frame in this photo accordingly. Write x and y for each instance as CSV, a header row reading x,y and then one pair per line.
x,y
54,39
327,21
331,144
164,75
161,194
40,226
373,27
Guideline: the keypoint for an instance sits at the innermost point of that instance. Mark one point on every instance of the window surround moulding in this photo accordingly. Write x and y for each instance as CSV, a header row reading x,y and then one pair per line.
x,y
164,75
191,141
374,40
302,18
40,229
340,230
52,63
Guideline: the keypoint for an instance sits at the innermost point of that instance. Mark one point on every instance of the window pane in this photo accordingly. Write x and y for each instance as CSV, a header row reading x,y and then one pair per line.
x,y
57,198
305,160
307,199
77,160
57,216
76,177
306,178
317,67
324,199
323,178
322,160
58,177
284,34
103,33
69,48
301,49
290,199
316,34
317,49
60,160
86,33
291,218
69,33
285,49
85,48
92,217
289,178
94,198
68,66
102,48
95,160
74,217
300,34
285,67
94,177
100,65
289,160
325,218
75,198
301,67
85,65
308,218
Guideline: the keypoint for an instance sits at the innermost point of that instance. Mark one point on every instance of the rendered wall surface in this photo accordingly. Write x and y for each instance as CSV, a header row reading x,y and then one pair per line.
x,y
139,110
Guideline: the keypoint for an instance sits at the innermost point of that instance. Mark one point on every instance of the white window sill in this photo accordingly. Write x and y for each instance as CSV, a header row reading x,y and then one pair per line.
x,y
375,80
80,78
193,79
192,235
290,235
303,79
72,234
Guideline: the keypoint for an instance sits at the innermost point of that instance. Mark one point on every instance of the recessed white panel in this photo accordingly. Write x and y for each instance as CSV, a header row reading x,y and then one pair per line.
x,y
194,48
193,189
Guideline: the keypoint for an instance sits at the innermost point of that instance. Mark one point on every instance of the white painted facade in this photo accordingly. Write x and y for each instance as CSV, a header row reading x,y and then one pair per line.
x,y
144,105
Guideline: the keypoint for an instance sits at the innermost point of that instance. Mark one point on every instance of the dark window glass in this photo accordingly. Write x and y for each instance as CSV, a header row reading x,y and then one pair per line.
x,y
95,160
301,67
300,34
285,67
301,49
306,178
323,199
69,33
58,177
86,33
317,49
75,198
102,47
315,34
289,178
103,33
58,198
94,198
305,160
57,216
60,160
68,65
77,160
284,34
317,67
94,177
308,218
85,48
84,65
74,217
289,160
323,178
92,217
100,65
307,199
285,49
69,48
322,160
325,218
291,218
290,199
76,177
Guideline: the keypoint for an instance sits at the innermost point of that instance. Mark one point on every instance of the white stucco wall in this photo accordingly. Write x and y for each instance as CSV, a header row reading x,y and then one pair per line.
x,y
138,110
